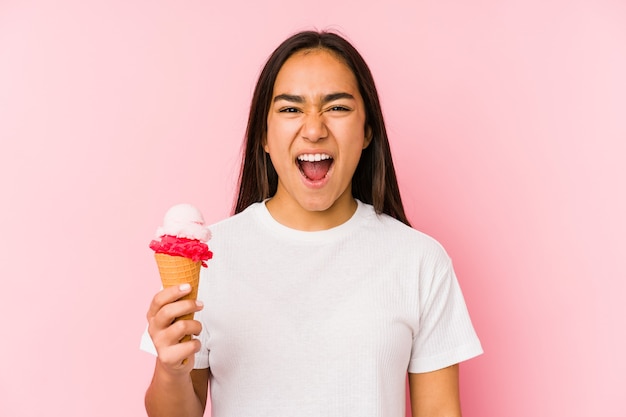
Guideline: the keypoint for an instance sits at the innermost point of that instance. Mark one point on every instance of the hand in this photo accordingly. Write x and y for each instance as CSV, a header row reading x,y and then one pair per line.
x,y
174,357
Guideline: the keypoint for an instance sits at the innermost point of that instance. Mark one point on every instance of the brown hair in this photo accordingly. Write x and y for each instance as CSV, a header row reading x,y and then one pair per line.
x,y
374,181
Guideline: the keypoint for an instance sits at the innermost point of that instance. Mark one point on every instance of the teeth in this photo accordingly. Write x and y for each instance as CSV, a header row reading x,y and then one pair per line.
x,y
310,157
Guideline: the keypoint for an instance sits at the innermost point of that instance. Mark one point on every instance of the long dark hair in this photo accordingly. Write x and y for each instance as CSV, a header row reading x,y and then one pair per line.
x,y
374,181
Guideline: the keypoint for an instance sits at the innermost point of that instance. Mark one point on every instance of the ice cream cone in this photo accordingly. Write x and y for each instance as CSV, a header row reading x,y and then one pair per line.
x,y
177,270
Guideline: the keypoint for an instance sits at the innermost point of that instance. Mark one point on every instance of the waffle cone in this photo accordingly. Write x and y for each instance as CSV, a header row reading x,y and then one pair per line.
x,y
176,270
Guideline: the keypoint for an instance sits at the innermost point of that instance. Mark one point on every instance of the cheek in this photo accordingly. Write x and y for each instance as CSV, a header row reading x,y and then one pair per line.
x,y
275,144
280,136
354,135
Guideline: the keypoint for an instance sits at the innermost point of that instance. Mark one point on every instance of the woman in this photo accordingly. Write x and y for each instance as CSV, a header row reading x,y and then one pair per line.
x,y
320,297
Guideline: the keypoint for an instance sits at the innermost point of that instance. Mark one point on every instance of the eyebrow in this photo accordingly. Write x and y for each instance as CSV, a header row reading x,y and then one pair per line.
x,y
327,98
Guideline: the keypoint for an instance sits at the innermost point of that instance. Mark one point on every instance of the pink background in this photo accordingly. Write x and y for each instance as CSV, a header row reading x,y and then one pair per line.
x,y
507,121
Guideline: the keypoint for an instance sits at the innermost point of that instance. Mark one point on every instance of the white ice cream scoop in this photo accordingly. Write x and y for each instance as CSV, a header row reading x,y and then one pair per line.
x,y
186,221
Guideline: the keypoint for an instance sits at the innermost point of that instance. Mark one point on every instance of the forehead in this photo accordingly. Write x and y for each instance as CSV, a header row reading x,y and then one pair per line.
x,y
315,69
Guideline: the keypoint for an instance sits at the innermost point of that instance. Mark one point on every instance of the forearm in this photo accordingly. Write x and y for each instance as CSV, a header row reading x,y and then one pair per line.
x,y
172,396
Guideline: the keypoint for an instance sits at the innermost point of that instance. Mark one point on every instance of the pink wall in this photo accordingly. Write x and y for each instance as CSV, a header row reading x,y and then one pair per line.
x,y
508,124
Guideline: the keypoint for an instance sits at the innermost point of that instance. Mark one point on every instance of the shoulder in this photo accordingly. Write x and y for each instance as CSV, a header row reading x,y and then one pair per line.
x,y
235,229
400,237
238,220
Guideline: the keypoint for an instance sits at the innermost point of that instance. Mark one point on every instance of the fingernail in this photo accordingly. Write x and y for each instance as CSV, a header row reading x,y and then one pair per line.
x,y
184,287
199,303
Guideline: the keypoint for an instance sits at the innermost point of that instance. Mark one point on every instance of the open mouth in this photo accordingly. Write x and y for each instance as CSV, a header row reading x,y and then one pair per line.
x,y
314,166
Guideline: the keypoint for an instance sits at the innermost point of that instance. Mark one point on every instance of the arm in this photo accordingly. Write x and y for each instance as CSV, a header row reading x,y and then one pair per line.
x,y
167,396
176,389
435,394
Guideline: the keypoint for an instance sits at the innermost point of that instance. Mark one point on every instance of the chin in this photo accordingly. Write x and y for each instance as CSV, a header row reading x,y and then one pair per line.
x,y
325,203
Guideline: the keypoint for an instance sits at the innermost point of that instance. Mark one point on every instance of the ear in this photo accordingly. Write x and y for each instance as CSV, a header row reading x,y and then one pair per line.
x,y
368,136
265,147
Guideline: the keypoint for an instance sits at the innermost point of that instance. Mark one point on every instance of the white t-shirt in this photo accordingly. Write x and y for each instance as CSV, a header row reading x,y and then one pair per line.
x,y
325,323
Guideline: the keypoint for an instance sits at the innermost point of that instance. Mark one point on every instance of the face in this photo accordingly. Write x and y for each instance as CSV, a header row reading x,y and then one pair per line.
x,y
315,135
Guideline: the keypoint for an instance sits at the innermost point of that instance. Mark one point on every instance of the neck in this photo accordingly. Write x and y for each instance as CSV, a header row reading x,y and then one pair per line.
x,y
289,213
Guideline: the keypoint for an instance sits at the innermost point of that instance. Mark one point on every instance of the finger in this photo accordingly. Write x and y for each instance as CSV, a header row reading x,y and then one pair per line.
x,y
179,356
166,315
166,296
175,332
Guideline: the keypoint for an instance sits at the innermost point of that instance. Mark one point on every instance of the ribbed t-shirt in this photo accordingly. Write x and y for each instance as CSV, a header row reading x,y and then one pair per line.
x,y
325,323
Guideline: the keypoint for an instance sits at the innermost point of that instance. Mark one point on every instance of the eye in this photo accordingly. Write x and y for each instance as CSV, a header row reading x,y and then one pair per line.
x,y
288,110
339,108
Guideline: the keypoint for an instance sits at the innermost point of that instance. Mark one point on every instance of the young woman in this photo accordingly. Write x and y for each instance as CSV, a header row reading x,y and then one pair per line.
x,y
320,297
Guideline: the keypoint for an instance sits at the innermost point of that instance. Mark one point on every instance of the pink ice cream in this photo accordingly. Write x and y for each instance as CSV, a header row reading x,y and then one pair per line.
x,y
183,234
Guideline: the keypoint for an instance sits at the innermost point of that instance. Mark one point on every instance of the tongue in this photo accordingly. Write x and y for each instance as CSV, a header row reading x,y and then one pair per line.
x,y
315,170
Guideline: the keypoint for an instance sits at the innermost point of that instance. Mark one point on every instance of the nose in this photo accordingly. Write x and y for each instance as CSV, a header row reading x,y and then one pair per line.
x,y
313,127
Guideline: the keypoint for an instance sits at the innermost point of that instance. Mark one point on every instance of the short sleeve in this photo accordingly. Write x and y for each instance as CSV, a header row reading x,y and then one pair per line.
x,y
146,343
446,335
